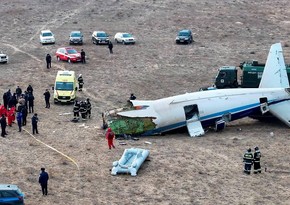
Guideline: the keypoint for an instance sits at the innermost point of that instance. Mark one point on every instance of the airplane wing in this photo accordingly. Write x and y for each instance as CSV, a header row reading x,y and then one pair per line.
x,y
275,74
281,111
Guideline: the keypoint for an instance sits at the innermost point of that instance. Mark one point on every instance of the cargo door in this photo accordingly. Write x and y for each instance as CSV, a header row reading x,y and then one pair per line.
x,y
193,123
264,105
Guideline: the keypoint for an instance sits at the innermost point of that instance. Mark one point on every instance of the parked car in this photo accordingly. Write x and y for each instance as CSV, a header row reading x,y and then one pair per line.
x,y
46,36
76,37
68,54
184,36
125,38
3,57
11,195
100,37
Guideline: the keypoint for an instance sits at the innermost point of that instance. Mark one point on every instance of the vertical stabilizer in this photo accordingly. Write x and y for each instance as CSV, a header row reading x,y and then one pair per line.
x,y
275,74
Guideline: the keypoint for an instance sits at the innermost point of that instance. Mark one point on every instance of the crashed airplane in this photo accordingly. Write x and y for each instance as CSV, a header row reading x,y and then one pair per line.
x,y
213,108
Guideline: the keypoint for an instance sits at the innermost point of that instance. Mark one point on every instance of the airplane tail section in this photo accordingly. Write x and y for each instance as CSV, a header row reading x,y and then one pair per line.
x,y
275,74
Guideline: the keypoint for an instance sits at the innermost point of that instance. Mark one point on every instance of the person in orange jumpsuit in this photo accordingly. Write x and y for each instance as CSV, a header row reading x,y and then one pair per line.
x,y
110,135
11,116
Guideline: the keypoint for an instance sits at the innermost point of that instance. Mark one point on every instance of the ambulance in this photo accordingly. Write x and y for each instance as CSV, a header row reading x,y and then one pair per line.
x,y
65,87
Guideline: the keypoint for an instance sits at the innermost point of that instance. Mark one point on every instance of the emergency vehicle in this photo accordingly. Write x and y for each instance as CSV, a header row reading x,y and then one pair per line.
x,y
65,87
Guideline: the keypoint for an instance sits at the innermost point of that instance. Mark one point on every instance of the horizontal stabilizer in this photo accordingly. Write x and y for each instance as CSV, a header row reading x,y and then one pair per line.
x,y
281,111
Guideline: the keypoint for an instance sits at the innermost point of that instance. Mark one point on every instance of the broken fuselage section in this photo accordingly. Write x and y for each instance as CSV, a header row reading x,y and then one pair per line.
x,y
135,125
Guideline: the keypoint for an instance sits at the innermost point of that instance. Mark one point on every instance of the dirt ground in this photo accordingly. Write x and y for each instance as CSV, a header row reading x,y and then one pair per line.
x,y
181,170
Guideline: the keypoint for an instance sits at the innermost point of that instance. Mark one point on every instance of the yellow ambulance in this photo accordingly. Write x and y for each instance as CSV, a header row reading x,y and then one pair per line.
x,y
65,86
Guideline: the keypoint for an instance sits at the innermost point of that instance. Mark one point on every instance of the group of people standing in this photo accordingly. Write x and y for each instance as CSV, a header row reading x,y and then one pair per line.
x,y
83,109
16,106
250,159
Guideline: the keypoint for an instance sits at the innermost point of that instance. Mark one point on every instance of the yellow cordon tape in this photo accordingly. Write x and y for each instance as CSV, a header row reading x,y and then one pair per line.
x,y
50,147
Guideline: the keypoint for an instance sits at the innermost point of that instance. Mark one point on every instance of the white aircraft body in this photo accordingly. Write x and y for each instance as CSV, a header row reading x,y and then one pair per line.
x,y
213,108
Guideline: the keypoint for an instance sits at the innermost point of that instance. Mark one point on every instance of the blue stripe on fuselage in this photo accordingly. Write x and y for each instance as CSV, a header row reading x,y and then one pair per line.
x,y
210,120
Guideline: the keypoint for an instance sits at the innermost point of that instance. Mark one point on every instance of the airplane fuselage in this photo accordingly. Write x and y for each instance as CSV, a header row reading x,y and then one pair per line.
x,y
210,106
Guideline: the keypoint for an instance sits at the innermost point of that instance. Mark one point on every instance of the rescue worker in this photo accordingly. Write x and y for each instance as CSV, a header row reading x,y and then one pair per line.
x,y
43,179
3,125
26,98
257,164
83,56
48,61
46,98
12,101
10,116
105,124
18,107
76,110
21,100
34,121
89,107
248,161
81,82
110,46
6,97
30,102
132,96
2,110
110,135
18,92
24,115
29,89
19,120
83,109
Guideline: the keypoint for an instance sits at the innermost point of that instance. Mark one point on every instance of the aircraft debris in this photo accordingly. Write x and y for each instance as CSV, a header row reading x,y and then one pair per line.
x,y
67,113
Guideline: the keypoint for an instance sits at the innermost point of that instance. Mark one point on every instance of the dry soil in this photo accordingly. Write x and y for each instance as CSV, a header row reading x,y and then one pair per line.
x,y
181,170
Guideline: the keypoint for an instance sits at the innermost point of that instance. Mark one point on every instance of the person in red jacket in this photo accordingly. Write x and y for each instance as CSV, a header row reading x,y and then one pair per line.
x,y
11,116
3,110
13,109
110,135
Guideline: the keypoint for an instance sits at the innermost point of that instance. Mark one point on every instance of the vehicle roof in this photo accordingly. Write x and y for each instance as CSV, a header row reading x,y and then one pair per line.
x,y
8,187
227,68
65,76
185,30
67,48
76,32
99,32
46,31
65,72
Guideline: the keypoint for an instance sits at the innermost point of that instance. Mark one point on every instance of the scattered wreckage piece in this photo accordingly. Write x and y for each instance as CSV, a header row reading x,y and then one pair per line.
x,y
130,162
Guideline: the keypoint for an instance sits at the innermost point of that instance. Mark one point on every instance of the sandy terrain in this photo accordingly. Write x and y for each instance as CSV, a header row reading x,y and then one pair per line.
x,y
181,170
